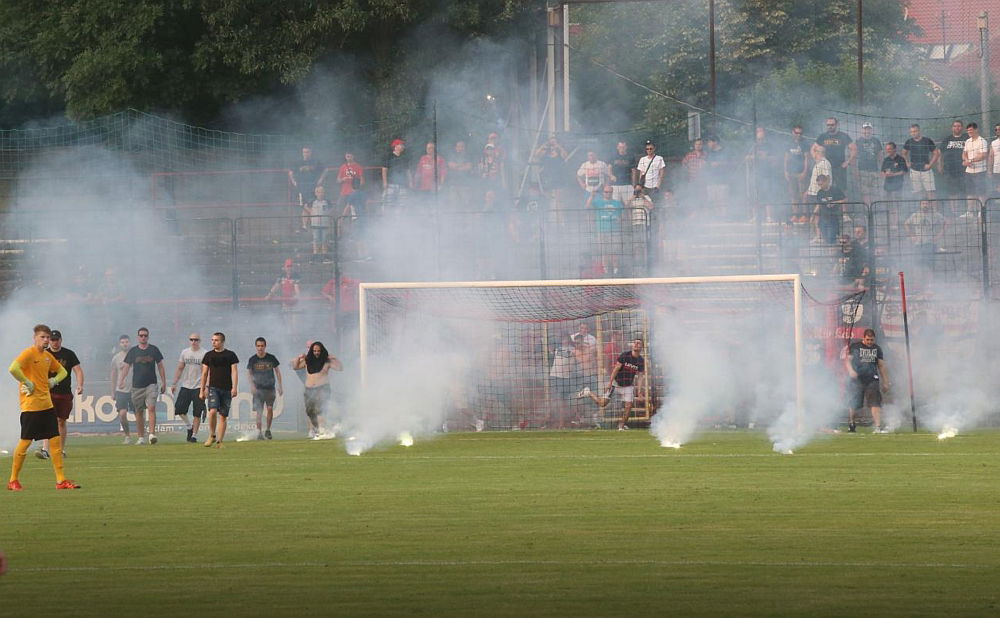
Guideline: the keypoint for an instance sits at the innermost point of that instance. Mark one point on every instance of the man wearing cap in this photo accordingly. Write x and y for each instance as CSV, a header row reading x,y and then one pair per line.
x,y
870,164
62,393
397,176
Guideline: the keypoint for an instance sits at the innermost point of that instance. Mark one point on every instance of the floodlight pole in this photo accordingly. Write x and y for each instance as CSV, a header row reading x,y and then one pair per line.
x,y
861,57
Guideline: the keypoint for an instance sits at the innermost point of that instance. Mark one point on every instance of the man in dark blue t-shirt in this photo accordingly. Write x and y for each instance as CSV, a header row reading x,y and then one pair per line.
x,y
264,374
894,170
622,381
868,379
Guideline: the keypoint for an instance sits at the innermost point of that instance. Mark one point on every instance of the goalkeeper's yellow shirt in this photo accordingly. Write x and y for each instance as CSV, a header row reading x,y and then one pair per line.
x,y
36,366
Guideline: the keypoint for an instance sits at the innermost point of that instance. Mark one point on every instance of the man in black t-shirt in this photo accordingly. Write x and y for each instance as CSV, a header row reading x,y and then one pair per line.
x,y
868,379
828,212
219,379
264,374
62,393
869,164
144,361
921,155
306,174
840,151
397,176
894,170
622,381
623,172
950,162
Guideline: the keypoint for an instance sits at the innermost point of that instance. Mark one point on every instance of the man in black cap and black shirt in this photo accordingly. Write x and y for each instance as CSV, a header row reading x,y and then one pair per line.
x,y
62,393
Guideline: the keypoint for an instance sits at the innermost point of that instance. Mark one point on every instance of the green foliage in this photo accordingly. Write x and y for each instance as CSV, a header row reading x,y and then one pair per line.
x,y
94,57
788,56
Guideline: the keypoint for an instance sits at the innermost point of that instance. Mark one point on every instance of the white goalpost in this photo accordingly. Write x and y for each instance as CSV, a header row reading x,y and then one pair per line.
x,y
396,312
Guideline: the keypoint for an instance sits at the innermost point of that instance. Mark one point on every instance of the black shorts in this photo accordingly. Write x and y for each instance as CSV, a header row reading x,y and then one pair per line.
x,y
123,401
262,397
40,425
189,398
860,391
63,405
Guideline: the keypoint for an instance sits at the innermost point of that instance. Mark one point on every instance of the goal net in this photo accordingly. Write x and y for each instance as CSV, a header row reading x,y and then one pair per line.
x,y
511,355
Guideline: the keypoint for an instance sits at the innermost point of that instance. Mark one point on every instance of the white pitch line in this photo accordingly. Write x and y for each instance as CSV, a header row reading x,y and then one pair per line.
x,y
495,563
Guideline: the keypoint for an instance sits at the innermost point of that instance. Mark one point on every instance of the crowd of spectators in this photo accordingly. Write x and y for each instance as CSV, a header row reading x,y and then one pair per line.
x,y
812,184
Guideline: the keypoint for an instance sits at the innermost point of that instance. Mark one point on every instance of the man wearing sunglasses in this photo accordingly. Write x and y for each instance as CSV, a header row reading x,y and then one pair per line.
x,y
188,375
144,360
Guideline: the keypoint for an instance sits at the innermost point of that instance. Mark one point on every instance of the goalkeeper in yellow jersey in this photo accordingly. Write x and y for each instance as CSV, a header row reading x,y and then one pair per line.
x,y
38,416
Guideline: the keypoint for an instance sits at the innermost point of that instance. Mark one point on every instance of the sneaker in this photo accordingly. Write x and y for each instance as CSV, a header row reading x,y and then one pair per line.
x,y
152,439
67,484
852,428
880,430
267,434
14,486
189,434
140,440
584,392
260,436
623,428
127,440
218,444
480,424
63,454
42,454
210,441
192,439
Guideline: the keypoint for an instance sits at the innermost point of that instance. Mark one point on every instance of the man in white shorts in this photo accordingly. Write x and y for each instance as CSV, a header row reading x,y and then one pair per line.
x,y
622,381
921,155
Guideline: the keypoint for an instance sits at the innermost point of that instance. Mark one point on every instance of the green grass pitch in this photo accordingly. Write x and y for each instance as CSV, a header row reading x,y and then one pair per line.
x,y
511,524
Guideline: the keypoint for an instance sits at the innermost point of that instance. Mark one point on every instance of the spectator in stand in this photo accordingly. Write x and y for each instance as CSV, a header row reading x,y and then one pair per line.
x,y
287,286
821,167
491,170
593,174
921,154
894,170
397,176
623,173
950,165
974,157
349,301
551,160
562,386
316,215
869,164
351,177
852,263
829,211
306,174
431,172
461,174
764,161
651,169
716,179
925,229
609,213
994,164
840,151
693,163
493,139
797,158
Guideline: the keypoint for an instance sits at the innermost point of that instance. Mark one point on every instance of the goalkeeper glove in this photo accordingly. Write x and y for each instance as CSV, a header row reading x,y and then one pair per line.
x,y
27,387
53,382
